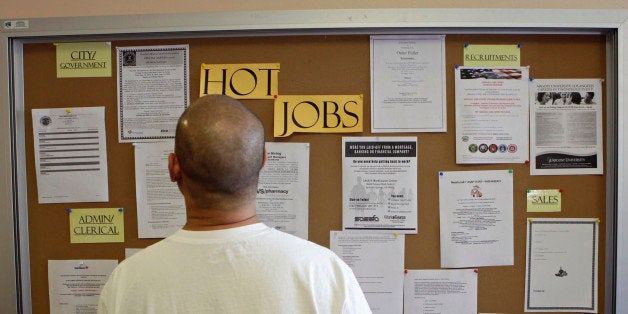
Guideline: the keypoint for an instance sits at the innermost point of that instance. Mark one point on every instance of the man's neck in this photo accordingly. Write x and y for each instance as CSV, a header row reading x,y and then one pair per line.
x,y
215,211
200,224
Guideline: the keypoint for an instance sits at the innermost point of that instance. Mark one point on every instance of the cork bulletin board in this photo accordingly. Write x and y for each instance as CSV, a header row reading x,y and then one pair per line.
x,y
326,65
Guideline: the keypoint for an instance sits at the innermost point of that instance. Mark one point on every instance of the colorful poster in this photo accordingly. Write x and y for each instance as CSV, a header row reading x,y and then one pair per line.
x,y
379,184
566,127
491,115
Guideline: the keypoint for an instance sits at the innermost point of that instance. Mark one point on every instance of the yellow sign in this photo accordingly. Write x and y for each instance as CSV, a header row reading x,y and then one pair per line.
x,y
88,59
492,55
318,114
544,201
240,81
96,225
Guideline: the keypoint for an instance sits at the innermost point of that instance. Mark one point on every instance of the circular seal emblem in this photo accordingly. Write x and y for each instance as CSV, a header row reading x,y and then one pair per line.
x,y
492,148
128,58
502,148
45,120
512,148
483,148
473,148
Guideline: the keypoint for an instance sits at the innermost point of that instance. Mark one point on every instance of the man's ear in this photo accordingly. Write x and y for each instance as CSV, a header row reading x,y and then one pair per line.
x,y
174,168
265,158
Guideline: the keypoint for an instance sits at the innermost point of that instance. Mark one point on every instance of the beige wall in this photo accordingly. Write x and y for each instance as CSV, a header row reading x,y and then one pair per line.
x,y
60,8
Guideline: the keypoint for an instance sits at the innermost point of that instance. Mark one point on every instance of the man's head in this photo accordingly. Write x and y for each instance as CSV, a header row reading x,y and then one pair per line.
x,y
219,149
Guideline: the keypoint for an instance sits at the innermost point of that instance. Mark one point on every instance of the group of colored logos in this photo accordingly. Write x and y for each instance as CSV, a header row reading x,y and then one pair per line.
x,y
493,148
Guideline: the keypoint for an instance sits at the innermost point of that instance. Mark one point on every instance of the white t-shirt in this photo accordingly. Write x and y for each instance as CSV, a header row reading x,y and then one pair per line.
x,y
249,269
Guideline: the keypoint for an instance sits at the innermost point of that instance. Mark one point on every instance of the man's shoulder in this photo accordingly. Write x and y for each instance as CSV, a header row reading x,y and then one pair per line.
x,y
139,257
290,239
300,248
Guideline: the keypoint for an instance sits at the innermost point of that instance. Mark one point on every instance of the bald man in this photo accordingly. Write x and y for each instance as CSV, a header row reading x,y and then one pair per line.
x,y
224,260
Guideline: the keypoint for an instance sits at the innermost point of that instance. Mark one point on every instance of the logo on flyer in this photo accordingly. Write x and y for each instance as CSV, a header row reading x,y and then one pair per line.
x,y
128,58
561,273
373,218
81,266
45,120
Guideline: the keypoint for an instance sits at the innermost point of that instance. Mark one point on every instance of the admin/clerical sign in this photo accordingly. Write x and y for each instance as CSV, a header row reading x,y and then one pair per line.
x,y
96,225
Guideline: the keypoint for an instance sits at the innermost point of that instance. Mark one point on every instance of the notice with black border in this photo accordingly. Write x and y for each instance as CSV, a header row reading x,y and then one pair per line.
x,y
562,265
153,91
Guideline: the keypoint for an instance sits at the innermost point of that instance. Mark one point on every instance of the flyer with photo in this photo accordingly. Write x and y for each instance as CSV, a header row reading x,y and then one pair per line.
x,y
566,133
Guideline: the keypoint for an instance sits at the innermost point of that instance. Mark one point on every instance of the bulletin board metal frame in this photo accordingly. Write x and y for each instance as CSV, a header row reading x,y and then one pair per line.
x,y
14,265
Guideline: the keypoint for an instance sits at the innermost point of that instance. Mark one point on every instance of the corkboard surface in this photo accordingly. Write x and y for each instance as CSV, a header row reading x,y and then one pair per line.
x,y
316,65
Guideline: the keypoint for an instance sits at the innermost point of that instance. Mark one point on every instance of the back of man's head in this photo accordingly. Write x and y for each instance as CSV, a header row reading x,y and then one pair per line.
x,y
220,146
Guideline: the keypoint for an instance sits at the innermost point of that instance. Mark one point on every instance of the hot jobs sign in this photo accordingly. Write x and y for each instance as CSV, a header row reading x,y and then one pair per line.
x,y
240,81
318,114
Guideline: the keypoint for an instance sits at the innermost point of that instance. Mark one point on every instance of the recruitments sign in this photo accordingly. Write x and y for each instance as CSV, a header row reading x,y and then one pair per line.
x,y
88,59
318,114
96,225
492,55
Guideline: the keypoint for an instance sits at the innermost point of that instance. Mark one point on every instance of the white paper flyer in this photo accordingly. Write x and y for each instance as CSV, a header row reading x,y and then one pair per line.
x,y
283,188
566,127
491,115
379,184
